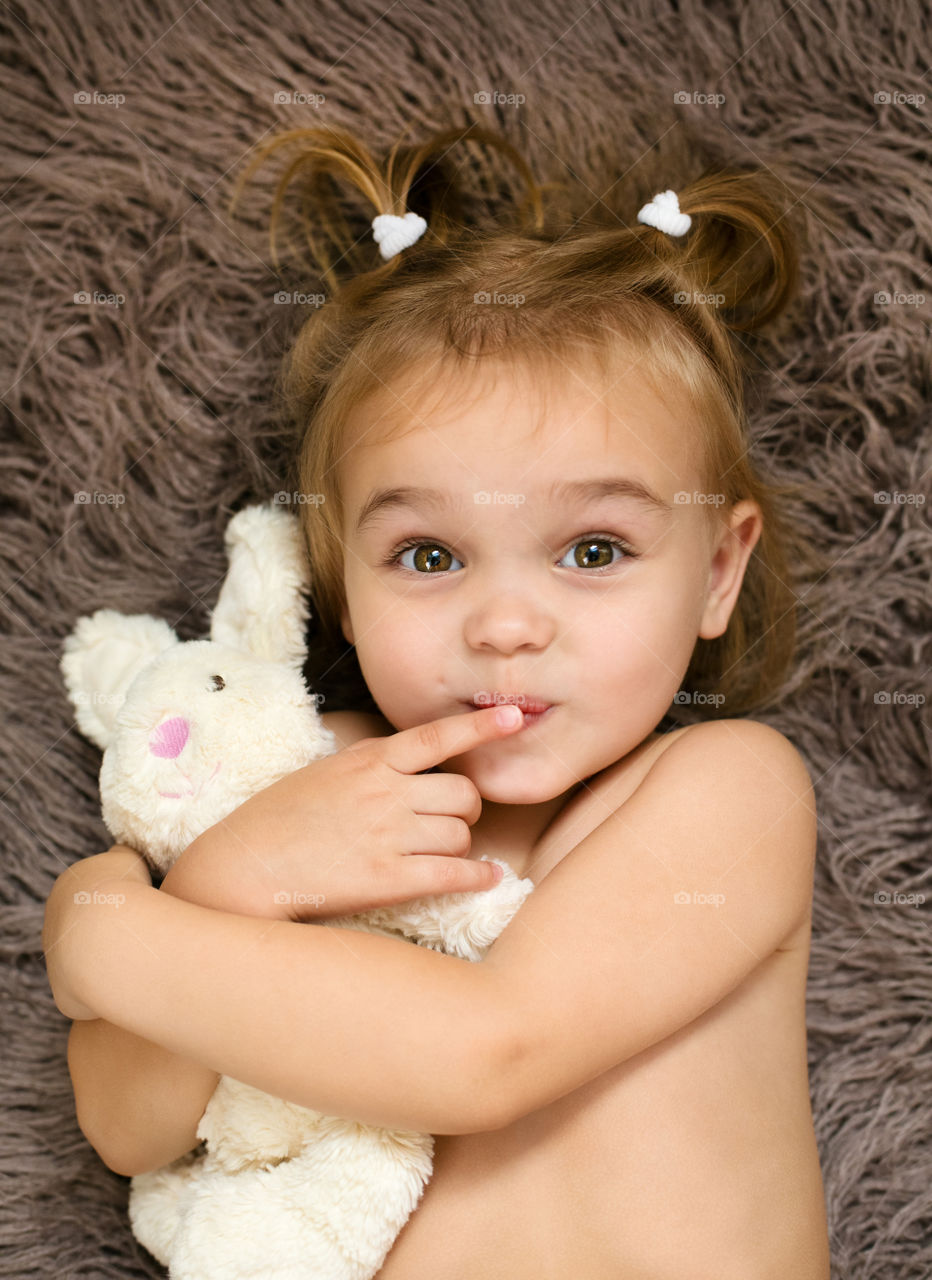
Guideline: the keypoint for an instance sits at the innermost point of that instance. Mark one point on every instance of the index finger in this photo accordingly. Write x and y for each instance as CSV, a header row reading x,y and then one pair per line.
x,y
421,747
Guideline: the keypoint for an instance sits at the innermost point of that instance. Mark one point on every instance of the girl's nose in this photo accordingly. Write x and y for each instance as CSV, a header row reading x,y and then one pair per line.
x,y
169,738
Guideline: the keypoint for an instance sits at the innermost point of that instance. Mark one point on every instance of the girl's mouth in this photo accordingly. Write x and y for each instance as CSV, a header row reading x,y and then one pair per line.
x,y
534,709
535,717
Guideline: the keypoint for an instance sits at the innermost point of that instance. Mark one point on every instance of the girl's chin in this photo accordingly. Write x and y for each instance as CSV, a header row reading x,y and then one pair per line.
x,y
518,787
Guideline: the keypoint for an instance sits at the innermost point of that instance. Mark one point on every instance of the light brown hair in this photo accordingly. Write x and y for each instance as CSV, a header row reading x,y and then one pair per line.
x,y
592,279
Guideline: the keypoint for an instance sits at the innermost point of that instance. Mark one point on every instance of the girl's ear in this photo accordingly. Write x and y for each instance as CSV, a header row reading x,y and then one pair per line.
x,y
729,561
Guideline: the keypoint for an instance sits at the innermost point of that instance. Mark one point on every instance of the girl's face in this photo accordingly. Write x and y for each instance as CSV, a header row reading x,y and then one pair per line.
x,y
551,558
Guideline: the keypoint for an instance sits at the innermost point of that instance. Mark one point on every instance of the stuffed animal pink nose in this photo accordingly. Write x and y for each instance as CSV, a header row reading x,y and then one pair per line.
x,y
169,738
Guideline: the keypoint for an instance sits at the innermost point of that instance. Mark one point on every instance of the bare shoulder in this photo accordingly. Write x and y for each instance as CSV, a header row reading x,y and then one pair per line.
x,y
349,726
741,776
746,761
747,740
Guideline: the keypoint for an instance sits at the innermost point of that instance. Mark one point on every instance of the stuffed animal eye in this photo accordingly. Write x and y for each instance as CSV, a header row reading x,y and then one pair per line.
x,y
217,682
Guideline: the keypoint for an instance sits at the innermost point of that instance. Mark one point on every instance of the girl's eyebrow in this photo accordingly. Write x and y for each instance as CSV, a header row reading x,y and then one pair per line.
x,y
382,500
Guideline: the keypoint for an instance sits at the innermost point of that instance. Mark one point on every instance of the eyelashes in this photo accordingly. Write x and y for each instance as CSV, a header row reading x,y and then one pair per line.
x,y
392,560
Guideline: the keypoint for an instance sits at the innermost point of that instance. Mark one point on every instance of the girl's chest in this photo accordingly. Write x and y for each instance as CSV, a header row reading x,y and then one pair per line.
x,y
595,802
701,1145
692,1158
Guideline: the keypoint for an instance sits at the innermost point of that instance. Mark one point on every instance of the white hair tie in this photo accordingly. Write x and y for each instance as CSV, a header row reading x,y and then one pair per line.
x,y
392,233
663,212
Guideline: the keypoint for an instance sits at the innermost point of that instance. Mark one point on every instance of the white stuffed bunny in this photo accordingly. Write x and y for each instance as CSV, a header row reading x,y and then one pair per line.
x,y
189,731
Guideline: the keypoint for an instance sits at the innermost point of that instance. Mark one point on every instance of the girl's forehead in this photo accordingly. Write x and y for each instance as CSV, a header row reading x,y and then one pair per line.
x,y
553,408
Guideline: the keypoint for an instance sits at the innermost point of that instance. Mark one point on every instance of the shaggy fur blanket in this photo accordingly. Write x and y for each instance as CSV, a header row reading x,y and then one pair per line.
x,y
123,126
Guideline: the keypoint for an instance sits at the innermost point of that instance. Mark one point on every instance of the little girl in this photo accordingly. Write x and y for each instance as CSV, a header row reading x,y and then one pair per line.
x,y
545,416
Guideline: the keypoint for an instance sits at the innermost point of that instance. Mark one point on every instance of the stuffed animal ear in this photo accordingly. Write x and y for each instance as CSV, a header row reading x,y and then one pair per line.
x,y
262,608
101,657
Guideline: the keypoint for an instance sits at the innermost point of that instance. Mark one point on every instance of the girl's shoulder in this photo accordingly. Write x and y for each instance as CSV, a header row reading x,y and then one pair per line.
x,y
725,736
745,762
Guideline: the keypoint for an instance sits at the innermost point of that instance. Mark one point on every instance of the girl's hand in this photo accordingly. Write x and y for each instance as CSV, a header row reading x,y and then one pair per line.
x,y
359,829
88,885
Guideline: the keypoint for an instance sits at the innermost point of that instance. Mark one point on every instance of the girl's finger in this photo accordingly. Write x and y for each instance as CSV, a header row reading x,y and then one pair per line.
x,y
425,745
430,875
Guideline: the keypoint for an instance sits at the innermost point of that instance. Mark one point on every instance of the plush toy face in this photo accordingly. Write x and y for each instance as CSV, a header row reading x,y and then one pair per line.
x,y
202,728
190,730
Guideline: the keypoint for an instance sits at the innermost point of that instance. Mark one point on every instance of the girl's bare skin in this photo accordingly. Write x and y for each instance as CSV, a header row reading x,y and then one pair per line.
x,y
620,1087
695,1158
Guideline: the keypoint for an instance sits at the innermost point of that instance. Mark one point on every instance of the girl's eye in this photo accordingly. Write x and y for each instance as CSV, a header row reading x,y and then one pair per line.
x,y
429,557
593,552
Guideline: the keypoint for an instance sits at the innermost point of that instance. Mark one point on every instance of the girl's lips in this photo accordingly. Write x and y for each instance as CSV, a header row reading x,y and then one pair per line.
x,y
531,717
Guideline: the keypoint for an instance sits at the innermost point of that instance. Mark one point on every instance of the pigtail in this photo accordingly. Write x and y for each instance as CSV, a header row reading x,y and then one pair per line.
x,y
741,254
501,271
420,179
735,272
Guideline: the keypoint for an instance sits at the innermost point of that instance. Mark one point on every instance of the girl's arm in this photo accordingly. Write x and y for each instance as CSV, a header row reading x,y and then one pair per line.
x,y
658,914
137,1104
128,1090
344,1022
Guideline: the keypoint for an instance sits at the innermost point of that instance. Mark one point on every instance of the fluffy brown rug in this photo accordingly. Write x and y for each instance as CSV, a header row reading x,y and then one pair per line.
x,y
164,395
